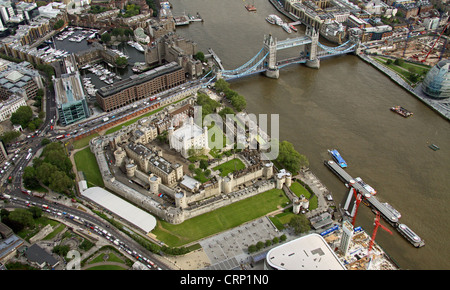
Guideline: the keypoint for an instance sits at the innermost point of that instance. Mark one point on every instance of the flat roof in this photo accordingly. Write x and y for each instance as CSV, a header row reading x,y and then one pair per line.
x,y
121,207
310,252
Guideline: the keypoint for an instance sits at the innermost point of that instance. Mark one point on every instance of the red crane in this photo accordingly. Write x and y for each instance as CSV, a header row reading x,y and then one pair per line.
x,y
358,198
442,32
377,224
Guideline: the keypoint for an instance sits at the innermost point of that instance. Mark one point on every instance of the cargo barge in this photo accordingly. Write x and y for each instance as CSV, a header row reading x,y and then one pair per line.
x,y
401,111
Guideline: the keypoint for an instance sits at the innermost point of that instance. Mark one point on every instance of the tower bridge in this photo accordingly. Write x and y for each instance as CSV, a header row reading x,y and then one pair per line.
x,y
265,61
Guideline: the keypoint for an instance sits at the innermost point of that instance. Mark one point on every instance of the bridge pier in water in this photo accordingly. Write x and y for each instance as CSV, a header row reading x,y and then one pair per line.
x,y
266,59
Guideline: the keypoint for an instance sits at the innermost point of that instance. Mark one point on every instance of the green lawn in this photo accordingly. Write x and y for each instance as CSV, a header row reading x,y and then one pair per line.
x,y
230,166
298,189
84,141
403,70
221,219
128,123
86,162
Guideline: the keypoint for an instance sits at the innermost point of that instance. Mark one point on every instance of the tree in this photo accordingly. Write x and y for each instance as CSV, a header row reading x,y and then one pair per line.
x,y
227,110
106,37
291,159
19,219
29,178
121,61
9,136
58,24
300,224
203,164
200,56
221,85
238,102
22,116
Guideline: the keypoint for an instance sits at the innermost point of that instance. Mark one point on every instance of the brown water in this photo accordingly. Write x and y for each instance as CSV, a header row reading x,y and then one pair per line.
x,y
345,105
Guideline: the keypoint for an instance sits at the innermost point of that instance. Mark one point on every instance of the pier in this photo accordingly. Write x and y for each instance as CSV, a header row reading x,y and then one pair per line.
x,y
370,200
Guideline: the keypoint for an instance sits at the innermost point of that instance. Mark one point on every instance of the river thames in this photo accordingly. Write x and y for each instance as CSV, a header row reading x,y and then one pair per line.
x,y
344,105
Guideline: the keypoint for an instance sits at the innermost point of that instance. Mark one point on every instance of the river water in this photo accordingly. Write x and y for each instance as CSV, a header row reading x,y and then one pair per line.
x,y
344,105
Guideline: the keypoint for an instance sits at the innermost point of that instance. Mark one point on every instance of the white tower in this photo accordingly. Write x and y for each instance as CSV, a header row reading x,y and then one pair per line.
x,y
347,234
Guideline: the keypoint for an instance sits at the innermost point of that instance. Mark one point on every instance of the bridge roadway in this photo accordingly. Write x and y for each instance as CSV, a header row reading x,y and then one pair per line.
x,y
366,195
291,42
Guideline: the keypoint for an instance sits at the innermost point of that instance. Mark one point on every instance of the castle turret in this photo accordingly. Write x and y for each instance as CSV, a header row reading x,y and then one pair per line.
x,y
180,199
119,156
131,169
154,182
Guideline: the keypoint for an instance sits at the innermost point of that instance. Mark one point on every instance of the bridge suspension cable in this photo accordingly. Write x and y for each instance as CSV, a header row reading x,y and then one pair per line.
x,y
248,71
245,64
331,48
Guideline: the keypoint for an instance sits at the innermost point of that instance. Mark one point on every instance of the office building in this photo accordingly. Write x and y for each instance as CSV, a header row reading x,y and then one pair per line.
x,y
140,86
70,99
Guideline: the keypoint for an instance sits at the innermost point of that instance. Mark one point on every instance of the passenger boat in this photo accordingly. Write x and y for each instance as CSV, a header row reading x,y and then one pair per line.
x,y
338,158
401,111
270,19
366,186
286,28
393,210
411,236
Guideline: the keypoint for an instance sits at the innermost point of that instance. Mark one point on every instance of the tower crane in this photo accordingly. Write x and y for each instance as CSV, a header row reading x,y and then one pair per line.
x,y
358,198
377,224
442,32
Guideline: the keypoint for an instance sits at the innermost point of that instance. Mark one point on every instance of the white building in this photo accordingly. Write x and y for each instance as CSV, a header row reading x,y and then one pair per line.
x,y
188,136
309,252
10,106
140,35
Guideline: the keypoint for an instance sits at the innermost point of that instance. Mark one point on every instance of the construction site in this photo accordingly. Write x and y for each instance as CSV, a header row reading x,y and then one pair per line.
x,y
358,256
428,49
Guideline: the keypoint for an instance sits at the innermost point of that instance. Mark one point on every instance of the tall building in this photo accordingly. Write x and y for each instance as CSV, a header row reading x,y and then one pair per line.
x,y
20,79
347,234
70,99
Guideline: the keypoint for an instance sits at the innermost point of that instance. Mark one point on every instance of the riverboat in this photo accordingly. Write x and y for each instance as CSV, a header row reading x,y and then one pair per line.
x,y
338,158
401,111
250,8
411,236
366,186
286,28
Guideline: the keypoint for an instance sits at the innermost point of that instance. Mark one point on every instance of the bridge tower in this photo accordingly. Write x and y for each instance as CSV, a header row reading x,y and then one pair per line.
x,y
270,46
311,48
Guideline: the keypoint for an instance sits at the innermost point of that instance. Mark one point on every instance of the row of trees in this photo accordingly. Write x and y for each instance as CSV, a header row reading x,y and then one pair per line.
x,y
261,245
53,169
237,101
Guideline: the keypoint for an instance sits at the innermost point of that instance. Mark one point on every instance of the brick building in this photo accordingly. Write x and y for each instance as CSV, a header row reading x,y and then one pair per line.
x,y
140,86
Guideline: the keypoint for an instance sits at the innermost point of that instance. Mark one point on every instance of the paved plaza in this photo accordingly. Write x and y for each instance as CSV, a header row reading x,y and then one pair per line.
x,y
228,250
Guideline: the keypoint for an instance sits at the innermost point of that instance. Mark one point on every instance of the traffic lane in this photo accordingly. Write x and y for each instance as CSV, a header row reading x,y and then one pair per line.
x,y
131,244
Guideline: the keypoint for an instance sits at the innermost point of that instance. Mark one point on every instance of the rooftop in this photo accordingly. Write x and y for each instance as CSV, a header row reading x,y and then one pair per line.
x,y
122,208
310,252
